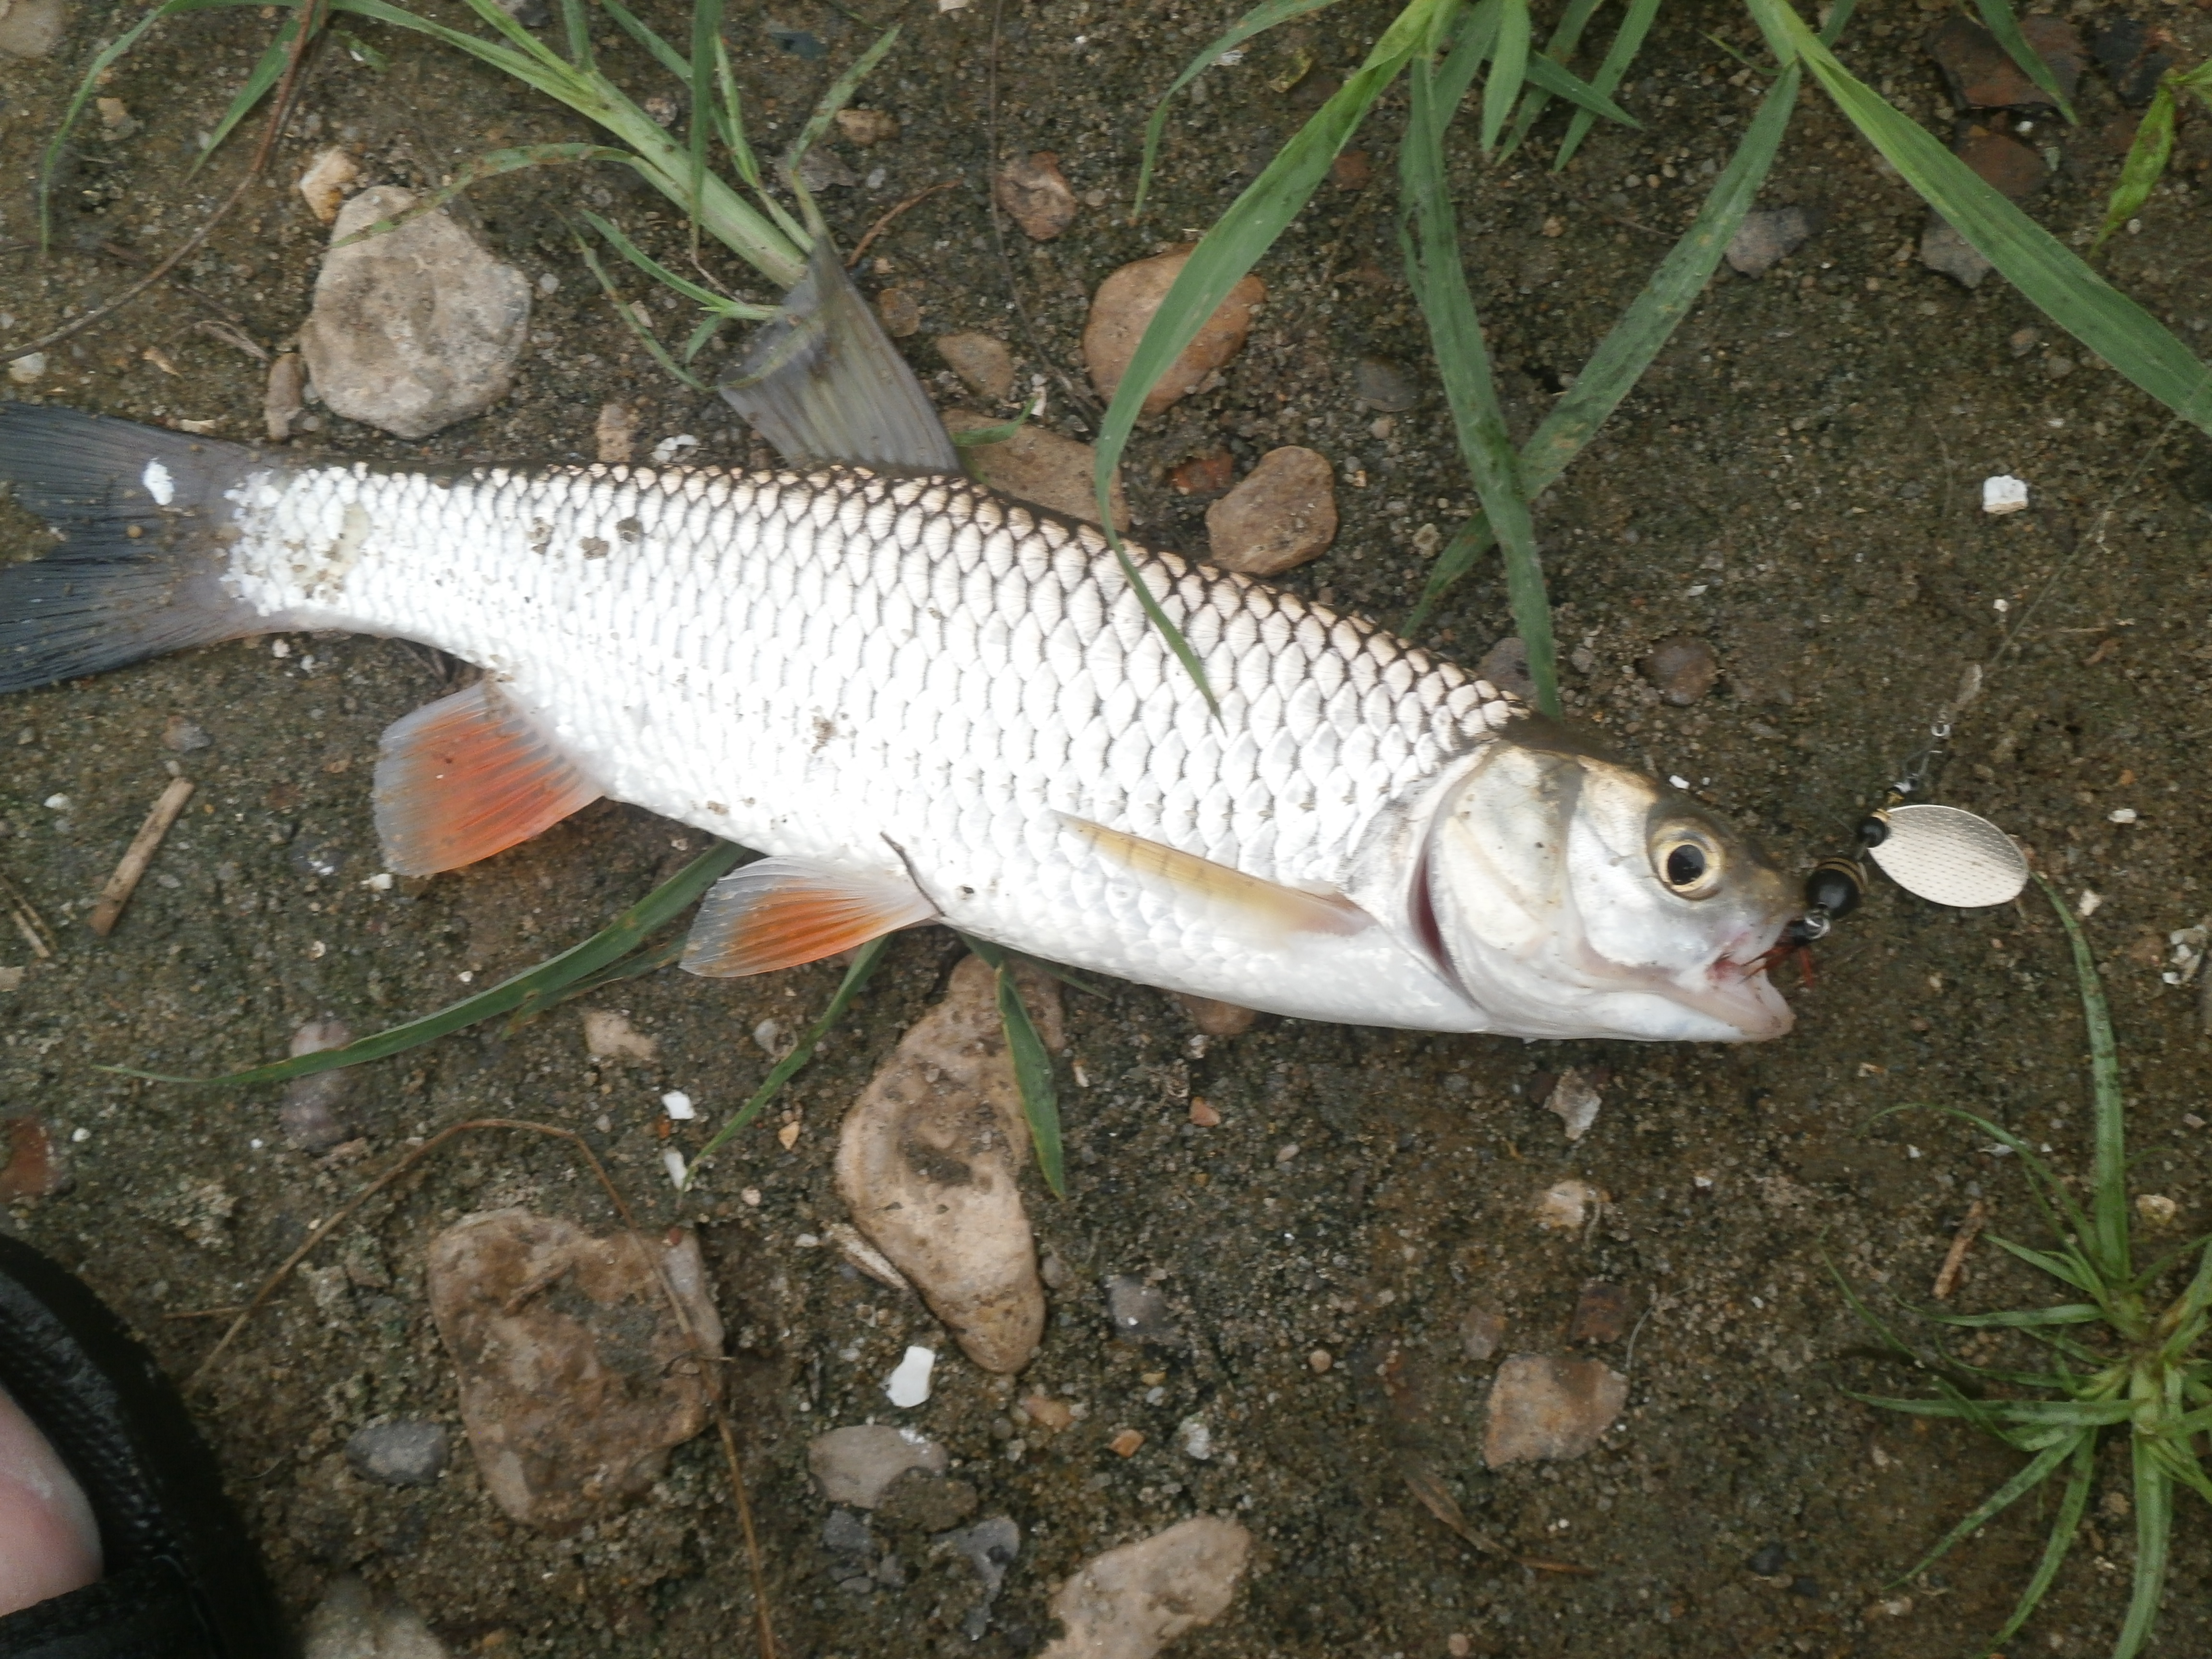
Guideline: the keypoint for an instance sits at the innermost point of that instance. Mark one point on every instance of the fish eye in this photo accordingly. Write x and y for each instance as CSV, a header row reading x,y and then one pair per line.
x,y
1688,863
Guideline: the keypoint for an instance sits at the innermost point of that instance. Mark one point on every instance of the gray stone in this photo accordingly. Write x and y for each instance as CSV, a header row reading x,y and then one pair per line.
x,y
1766,236
1383,385
399,1453
415,329
981,361
1138,1311
845,1535
313,1114
989,1546
1505,665
857,1465
1943,249
1683,667
920,1501
352,1623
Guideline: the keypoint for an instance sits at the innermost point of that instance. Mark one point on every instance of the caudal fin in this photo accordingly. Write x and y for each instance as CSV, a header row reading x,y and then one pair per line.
x,y
138,510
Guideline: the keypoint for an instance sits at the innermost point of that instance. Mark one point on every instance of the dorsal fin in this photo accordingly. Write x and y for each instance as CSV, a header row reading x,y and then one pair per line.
x,y
782,912
823,383
1266,908
465,777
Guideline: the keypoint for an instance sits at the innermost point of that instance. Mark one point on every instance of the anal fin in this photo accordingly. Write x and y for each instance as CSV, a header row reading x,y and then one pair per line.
x,y
465,777
1266,908
782,912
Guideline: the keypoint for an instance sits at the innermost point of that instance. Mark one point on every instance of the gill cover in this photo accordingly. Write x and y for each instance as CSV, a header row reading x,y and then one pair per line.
x,y
1571,895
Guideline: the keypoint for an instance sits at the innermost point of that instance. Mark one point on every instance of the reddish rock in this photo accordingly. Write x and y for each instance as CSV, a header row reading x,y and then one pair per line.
x,y
1125,305
1036,193
1683,667
1204,475
901,312
1214,1017
1038,466
32,1169
1601,1314
2002,161
1352,170
1982,75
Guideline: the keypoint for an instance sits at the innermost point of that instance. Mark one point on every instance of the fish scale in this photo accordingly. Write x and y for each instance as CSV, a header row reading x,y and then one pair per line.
x,y
872,670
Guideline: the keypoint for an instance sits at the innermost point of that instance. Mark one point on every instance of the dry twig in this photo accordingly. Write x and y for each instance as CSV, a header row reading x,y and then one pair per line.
x,y
138,855
1954,1262
852,261
28,922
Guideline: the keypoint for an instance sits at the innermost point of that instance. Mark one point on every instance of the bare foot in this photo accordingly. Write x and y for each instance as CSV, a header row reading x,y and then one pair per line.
x,y
48,1542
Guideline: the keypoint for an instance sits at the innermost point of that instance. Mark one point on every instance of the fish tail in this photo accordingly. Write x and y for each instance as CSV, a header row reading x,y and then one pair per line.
x,y
139,512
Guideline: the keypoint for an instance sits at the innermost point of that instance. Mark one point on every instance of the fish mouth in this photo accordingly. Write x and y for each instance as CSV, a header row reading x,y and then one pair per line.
x,y
1736,991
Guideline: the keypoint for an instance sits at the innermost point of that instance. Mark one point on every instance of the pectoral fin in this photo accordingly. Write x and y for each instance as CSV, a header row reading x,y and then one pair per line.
x,y
465,777
1266,907
782,912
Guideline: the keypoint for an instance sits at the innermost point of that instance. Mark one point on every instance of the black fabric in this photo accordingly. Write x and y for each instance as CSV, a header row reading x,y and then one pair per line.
x,y
165,1526
146,1614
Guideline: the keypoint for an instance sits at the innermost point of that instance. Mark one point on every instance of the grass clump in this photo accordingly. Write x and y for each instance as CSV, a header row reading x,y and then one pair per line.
x,y
2117,1358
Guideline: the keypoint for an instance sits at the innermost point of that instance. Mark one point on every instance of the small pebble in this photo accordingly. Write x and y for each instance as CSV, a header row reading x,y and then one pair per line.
x,y
399,1453
1683,667
1039,466
1138,1310
1202,1113
677,1105
920,1501
2003,494
982,362
1566,1207
867,127
32,28
1505,665
1545,1407
1216,1018
1384,386
1208,473
1766,236
1131,1602
1125,1445
1944,250
328,180
2157,1210
609,1035
901,312
1767,1560
284,396
1036,194
907,1385
1575,1102
351,1622
1053,1414
1321,1360
1124,306
1281,515
1481,1330
614,435
1196,1437
857,1465
26,368
1601,1314
820,169
184,735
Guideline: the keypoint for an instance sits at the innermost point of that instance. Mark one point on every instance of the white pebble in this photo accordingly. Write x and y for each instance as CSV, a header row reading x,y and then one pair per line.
x,y
672,1161
669,449
27,368
2122,814
58,803
677,1104
379,882
908,1383
1197,1438
2086,906
2003,494
80,1136
1679,782
159,484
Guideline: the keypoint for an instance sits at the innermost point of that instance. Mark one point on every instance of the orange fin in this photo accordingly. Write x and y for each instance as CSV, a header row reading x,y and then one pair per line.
x,y
1266,906
465,777
781,911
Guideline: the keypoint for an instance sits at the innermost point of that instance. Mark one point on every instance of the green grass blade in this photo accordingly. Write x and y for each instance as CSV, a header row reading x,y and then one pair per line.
x,y
2067,1313
2154,1498
1509,71
1566,35
2108,1229
2053,279
105,60
2145,166
1643,331
856,976
628,311
1227,251
2025,1481
1548,77
1429,234
709,327
1258,20
1032,1067
2059,1267
2180,1463
1618,57
2065,1527
576,30
706,33
1997,16
702,296
611,943
839,95
268,70
642,31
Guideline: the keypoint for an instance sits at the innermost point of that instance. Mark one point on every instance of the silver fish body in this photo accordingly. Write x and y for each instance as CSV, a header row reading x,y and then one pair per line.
x,y
909,683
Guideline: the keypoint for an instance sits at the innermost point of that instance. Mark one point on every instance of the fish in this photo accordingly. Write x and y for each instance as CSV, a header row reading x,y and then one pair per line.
x,y
921,703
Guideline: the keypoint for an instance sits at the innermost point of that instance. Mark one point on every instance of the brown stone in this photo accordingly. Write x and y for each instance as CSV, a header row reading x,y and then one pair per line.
x,y
1544,1408
1131,1602
32,1169
1034,190
981,360
1982,75
1683,667
1125,305
1214,1017
1126,1443
1352,170
1601,1314
1208,474
1282,515
865,127
901,312
1038,466
2003,162
576,1376
929,1162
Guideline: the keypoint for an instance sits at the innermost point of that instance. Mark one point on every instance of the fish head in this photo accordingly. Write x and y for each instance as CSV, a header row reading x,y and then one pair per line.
x,y
1573,895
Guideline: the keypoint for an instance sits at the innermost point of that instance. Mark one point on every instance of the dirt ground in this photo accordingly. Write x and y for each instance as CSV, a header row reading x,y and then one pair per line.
x,y
1796,482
